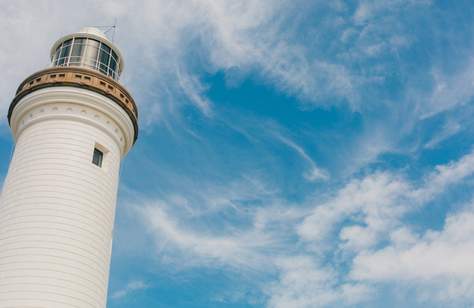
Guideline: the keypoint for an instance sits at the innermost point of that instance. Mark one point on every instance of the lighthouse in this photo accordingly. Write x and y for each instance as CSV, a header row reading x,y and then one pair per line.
x,y
72,124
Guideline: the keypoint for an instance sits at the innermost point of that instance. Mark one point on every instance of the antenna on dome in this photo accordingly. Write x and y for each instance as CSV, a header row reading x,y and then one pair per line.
x,y
107,29
112,29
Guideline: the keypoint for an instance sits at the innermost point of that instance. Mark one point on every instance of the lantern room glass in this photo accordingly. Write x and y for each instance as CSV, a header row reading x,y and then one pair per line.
x,y
90,53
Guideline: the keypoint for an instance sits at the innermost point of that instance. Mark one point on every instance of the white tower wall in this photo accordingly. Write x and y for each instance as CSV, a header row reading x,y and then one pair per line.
x,y
57,208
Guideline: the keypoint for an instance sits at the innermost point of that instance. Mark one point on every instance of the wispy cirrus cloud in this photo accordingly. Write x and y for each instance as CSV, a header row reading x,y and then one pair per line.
x,y
314,173
232,204
449,129
450,90
247,35
237,250
130,288
361,226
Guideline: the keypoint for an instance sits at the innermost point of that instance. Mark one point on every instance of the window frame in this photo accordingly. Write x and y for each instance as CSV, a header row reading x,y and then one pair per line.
x,y
98,157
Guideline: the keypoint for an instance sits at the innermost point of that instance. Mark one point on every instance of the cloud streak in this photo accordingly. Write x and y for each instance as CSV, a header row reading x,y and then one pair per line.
x,y
329,231
314,173
131,288
361,225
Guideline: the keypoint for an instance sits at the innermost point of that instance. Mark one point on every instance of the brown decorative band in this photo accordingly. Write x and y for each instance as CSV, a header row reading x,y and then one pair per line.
x,y
81,78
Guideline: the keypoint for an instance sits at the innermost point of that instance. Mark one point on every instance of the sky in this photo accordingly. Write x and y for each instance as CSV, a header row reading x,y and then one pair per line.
x,y
292,153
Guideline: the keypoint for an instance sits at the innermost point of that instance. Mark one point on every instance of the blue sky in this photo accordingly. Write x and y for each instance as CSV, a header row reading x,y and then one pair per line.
x,y
291,154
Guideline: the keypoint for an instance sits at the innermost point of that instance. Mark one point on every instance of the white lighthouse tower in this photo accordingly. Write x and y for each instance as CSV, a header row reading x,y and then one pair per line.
x,y
72,124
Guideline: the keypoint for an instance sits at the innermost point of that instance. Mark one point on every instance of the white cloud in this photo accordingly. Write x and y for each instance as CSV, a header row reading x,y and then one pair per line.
x,y
159,39
437,262
131,288
373,205
240,250
450,90
360,228
194,89
445,175
350,225
168,45
449,129
368,9
315,173
303,283
207,36
366,147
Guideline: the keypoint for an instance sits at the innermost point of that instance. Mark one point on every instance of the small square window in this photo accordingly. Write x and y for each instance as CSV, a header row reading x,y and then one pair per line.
x,y
97,157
